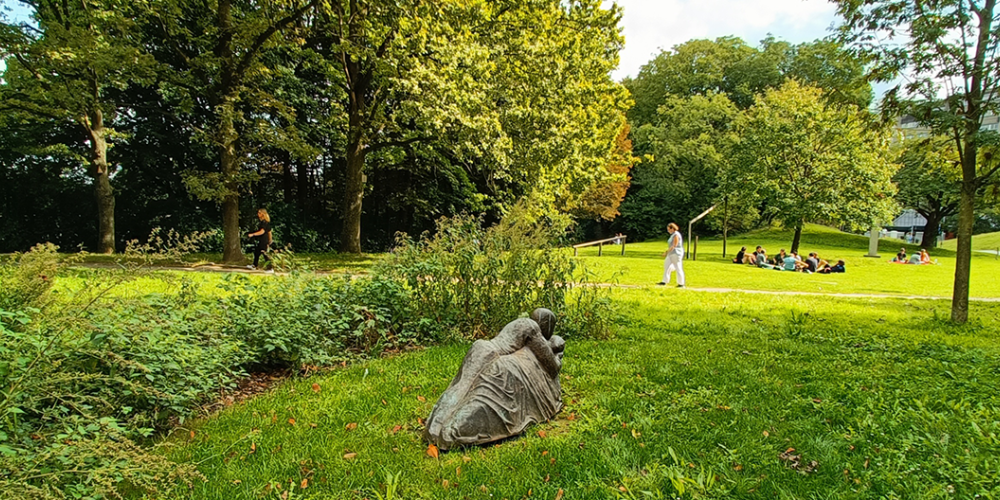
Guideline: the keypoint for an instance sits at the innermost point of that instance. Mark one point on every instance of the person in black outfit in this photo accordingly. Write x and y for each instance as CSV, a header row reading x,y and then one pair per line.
x,y
263,235
740,255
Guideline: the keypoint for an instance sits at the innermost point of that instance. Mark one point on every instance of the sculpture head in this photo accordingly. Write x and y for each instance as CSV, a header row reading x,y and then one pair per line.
x,y
546,321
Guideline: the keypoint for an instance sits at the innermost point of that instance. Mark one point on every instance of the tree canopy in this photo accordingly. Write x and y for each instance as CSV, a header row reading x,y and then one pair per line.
x,y
808,161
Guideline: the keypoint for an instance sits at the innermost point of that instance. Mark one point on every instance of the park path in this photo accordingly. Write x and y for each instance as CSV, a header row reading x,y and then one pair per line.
x,y
219,268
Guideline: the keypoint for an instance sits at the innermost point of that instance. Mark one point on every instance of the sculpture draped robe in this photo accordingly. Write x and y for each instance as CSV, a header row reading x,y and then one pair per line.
x,y
503,386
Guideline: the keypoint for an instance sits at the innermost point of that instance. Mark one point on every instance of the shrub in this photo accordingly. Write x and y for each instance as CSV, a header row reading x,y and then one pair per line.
x,y
476,279
27,277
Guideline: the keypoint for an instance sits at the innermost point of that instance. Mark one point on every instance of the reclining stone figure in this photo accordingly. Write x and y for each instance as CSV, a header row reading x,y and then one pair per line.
x,y
503,386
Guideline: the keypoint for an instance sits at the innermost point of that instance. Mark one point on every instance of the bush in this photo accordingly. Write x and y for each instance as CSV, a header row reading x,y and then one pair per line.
x,y
476,279
27,277
88,370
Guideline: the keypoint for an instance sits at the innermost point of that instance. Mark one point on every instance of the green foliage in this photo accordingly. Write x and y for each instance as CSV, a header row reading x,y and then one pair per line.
x,y
690,143
476,279
28,277
89,367
809,161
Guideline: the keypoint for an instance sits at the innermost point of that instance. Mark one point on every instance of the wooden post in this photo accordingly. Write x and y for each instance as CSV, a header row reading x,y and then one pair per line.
x,y
694,255
600,247
725,224
623,246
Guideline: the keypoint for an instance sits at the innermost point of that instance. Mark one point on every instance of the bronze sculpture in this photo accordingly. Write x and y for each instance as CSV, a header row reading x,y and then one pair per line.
x,y
503,386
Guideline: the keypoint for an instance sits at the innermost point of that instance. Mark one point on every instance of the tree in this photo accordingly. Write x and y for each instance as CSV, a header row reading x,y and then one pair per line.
x,y
929,182
949,55
519,90
690,144
213,51
64,69
809,161
601,200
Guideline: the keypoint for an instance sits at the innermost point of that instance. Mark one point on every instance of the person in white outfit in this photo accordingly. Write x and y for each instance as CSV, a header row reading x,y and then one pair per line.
x,y
674,256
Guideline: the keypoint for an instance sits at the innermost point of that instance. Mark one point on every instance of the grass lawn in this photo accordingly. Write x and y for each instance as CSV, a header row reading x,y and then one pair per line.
x,y
987,241
643,265
326,262
705,392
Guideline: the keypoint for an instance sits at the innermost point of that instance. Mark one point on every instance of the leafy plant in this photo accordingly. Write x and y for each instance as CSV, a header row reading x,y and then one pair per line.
x,y
475,279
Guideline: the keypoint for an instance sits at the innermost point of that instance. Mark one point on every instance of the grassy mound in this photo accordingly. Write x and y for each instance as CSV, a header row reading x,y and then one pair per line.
x,y
985,241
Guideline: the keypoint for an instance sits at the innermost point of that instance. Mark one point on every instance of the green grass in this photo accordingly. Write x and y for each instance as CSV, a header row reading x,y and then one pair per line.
x,y
326,262
987,241
643,265
889,399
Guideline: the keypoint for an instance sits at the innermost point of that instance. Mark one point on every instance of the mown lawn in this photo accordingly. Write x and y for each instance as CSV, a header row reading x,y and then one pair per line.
x,y
988,242
705,392
642,264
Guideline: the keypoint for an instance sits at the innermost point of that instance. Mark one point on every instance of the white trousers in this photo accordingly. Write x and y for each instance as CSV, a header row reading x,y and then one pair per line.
x,y
674,262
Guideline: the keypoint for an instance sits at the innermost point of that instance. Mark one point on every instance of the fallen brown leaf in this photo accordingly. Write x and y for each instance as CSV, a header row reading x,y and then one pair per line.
x,y
559,495
541,434
421,399
304,484
350,456
315,387
351,426
291,421
572,416
432,451
396,429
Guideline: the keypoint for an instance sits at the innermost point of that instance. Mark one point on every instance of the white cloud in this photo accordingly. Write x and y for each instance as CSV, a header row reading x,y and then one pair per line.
x,y
654,25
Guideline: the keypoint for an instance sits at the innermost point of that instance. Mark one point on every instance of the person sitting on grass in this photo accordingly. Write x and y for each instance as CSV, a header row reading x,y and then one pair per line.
x,y
914,259
752,259
762,260
839,268
925,258
900,257
789,262
740,256
812,263
779,260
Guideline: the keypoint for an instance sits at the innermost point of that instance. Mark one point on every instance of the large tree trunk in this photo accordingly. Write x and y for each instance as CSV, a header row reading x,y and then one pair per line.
x,y
231,251
797,238
103,193
963,256
354,191
931,229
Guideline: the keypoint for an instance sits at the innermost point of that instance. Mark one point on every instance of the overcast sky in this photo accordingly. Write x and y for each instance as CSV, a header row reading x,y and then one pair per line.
x,y
654,25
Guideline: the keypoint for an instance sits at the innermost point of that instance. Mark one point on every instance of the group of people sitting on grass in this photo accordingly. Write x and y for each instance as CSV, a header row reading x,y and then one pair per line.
x,y
918,258
787,261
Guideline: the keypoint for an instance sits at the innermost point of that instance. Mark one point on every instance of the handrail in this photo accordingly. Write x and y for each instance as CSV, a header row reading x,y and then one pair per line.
x,y
600,244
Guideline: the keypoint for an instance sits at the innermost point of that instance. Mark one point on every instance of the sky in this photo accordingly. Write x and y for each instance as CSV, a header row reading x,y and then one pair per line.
x,y
654,25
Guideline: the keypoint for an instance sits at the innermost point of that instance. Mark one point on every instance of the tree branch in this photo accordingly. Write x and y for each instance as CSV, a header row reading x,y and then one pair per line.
x,y
394,144
262,38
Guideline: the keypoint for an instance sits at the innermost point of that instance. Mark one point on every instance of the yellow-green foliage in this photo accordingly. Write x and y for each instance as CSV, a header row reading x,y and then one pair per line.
x,y
26,278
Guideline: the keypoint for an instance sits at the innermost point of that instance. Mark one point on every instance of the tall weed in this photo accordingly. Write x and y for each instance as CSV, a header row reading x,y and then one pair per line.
x,y
475,279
